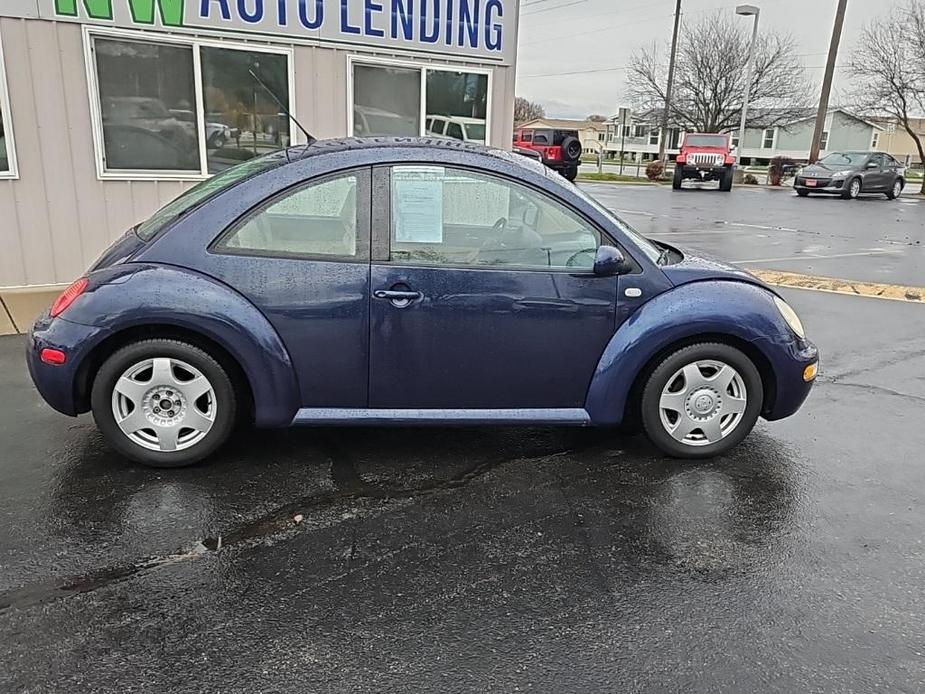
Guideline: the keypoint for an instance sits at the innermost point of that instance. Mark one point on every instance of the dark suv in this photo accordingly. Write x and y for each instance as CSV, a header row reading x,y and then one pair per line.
x,y
559,149
851,173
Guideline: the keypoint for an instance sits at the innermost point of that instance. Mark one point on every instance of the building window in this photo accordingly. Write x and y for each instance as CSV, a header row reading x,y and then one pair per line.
x,y
156,117
388,99
824,140
7,153
875,140
640,131
241,118
734,139
767,139
653,137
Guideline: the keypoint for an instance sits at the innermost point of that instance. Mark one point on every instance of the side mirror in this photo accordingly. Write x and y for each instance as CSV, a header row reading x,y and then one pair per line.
x,y
609,261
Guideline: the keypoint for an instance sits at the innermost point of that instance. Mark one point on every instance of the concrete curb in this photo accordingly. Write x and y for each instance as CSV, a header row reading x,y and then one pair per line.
x,y
20,306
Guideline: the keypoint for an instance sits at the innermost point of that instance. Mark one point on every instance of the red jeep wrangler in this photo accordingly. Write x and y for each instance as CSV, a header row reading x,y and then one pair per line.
x,y
705,157
560,149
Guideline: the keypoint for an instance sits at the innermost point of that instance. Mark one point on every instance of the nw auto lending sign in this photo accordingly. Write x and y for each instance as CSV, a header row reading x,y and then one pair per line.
x,y
482,29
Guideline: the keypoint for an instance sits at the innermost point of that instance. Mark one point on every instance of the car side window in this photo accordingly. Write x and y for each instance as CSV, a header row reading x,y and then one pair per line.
x,y
454,130
455,217
316,219
540,139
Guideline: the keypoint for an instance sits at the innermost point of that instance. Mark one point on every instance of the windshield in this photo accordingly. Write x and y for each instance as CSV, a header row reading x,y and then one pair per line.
x,y
843,159
200,193
648,247
705,141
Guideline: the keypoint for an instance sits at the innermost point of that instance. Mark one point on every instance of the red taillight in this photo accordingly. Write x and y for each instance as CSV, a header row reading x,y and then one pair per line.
x,y
68,296
55,357
553,153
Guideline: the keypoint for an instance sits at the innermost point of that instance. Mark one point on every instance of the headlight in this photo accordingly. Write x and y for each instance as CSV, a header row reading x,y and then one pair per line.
x,y
793,320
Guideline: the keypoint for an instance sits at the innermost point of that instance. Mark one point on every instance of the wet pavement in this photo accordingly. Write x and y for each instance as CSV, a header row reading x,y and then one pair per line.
x,y
483,559
871,239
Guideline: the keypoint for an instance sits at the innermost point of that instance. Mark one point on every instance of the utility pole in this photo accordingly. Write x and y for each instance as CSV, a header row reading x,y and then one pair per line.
x,y
827,81
674,47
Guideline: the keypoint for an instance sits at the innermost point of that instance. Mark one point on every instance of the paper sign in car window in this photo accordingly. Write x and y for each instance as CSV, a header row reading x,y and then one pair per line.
x,y
417,204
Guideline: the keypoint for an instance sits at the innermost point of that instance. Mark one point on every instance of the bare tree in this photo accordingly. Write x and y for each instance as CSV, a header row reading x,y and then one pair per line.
x,y
888,70
597,118
709,80
525,110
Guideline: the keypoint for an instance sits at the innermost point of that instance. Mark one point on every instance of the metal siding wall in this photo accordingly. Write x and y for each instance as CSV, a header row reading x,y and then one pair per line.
x,y
58,217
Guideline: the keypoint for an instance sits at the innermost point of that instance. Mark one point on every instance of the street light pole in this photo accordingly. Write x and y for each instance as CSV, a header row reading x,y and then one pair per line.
x,y
827,82
746,11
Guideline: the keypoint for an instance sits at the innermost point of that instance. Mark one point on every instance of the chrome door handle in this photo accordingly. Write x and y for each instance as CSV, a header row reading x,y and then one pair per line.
x,y
397,294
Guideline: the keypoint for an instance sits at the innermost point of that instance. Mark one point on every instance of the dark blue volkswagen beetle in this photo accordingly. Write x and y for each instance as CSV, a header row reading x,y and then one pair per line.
x,y
407,281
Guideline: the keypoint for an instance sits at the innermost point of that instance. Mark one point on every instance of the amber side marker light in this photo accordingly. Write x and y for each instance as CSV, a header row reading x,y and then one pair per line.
x,y
68,296
809,373
55,357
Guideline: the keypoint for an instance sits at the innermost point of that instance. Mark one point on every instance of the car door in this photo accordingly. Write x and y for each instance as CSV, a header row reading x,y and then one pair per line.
x,y
482,294
302,257
875,176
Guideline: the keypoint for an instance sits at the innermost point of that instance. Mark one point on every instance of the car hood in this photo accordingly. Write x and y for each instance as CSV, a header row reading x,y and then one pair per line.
x,y
697,266
819,171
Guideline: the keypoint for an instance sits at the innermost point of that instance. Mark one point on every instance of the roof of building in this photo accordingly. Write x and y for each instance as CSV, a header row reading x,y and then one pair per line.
x,y
563,124
758,117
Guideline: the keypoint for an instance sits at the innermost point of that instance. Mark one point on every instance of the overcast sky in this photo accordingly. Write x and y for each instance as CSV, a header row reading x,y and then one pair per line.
x,y
593,40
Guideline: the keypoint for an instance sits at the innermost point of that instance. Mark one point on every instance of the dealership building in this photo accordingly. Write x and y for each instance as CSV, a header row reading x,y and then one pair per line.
x,y
111,108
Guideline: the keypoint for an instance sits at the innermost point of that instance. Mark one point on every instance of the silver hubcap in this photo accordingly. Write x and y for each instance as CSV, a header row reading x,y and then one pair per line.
x,y
703,402
855,188
164,404
897,189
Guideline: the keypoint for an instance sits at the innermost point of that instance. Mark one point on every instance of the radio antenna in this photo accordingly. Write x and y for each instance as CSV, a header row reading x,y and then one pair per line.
x,y
311,140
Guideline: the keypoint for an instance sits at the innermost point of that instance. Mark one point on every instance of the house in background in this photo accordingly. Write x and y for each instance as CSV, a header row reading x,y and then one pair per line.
x,y
894,140
639,137
589,131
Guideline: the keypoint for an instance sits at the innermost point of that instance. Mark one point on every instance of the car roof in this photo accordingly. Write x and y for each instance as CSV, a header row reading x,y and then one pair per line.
x,y
433,145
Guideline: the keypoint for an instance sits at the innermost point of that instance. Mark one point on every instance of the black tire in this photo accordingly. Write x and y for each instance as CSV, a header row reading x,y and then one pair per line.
x,y
802,193
571,148
896,189
658,380
725,183
848,194
678,178
225,402
570,173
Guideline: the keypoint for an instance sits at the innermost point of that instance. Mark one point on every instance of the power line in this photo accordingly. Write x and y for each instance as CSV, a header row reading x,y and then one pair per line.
x,y
575,72
593,31
553,7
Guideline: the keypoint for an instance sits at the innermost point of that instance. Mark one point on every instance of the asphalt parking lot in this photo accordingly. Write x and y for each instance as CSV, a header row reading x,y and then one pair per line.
x,y
554,560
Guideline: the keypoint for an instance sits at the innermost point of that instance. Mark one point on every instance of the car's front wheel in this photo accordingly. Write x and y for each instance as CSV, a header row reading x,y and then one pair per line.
x,y
163,403
852,189
701,400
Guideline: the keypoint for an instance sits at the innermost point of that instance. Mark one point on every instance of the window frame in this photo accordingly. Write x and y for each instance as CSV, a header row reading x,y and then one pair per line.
x,y
6,112
195,43
875,140
383,231
423,67
764,138
364,212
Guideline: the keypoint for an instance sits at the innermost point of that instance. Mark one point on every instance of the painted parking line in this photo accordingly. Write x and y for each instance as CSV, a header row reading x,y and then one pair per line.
x,y
833,285
814,256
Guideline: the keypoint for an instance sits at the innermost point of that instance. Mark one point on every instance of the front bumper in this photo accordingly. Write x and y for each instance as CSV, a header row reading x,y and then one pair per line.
x,y
704,172
60,385
820,185
789,363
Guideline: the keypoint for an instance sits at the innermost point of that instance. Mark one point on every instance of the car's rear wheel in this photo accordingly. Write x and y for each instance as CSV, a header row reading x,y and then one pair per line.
x,y
701,400
852,189
896,190
163,403
570,173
